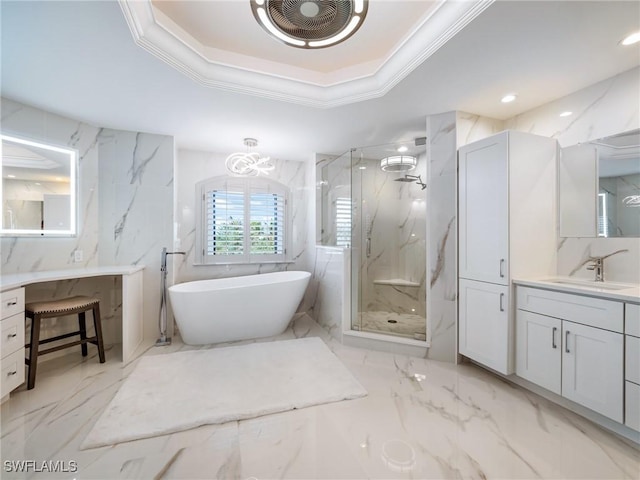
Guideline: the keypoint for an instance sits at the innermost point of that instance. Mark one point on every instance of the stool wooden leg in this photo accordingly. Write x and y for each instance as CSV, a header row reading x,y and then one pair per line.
x,y
83,332
33,351
97,323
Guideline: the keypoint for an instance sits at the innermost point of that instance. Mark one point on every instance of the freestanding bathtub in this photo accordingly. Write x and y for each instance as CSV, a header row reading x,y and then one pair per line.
x,y
236,308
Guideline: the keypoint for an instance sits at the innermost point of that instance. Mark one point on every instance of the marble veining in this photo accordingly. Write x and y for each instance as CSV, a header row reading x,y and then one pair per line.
x,y
457,422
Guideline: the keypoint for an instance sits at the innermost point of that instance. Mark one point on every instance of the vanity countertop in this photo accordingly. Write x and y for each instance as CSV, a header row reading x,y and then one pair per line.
x,y
15,280
620,291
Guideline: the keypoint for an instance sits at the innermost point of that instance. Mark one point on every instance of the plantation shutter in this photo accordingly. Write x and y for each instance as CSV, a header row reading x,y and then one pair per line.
x,y
266,220
225,220
244,220
343,221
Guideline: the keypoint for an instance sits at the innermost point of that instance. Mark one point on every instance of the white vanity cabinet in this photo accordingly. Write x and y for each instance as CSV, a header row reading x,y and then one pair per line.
x,y
632,366
507,228
573,346
12,351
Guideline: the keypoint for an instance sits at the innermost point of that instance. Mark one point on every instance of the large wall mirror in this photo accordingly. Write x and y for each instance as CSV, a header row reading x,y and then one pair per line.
x,y
599,187
38,188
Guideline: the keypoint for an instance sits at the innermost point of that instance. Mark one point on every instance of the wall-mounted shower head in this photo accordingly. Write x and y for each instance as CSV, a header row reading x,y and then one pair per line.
x,y
404,179
412,178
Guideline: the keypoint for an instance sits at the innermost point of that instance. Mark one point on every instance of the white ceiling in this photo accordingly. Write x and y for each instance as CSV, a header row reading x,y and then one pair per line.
x,y
79,59
230,25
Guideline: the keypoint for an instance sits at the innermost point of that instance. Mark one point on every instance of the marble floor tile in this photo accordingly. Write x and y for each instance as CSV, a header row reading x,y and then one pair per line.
x,y
421,419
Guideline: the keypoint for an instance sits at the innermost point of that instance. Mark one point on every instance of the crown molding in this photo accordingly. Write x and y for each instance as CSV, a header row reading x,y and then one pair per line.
x,y
242,74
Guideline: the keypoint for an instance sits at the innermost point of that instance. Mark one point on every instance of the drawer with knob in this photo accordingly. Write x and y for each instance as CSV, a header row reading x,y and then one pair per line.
x,y
12,302
12,372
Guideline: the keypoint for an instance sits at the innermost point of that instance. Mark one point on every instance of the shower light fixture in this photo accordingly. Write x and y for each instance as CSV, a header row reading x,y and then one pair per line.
x,y
249,164
398,163
310,23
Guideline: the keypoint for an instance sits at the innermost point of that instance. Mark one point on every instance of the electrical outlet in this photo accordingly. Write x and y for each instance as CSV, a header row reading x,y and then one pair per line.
x,y
78,256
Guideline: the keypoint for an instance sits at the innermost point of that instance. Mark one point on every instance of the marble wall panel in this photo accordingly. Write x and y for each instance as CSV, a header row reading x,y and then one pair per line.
x,y
330,295
24,254
606,108
136,208
193,167
442,236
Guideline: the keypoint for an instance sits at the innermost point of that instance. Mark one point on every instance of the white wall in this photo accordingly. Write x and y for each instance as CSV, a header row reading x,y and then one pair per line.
x,y
125,199
603,109
33,254
194,166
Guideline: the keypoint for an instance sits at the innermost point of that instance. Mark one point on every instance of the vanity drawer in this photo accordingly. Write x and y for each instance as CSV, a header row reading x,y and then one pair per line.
x,y
12,372
632,406
632,319
12,331
632,359
595,312
12,302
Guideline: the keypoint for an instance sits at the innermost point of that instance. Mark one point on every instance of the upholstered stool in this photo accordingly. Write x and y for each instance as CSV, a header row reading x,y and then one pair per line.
x,y
37,311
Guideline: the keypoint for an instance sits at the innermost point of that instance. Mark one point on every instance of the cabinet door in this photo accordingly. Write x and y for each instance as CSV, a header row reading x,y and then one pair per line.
x,y
483,196
592,368
539,350
484,328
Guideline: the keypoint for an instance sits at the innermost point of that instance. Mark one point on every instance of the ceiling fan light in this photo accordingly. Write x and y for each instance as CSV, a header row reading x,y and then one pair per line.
x,y
398,163
310,23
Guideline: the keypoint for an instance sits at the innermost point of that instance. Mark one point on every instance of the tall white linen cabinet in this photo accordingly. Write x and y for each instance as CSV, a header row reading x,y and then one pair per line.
x,y
507,229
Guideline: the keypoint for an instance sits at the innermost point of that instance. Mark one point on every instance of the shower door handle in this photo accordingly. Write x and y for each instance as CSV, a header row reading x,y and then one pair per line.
x,y
368,247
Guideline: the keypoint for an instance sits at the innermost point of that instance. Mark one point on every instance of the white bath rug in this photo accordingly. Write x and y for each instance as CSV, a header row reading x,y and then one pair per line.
x,y
174,392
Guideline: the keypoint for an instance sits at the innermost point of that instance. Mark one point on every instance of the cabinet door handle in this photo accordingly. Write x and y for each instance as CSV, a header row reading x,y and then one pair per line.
x,y
502,268
566,341
501,302
11,303
553,337
12,373
12,335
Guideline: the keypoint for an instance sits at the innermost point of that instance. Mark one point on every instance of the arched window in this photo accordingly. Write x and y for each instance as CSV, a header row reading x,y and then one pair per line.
x,y
242,220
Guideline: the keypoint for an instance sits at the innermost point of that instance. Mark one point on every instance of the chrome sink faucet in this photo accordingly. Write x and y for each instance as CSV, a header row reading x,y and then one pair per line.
x,y
597,264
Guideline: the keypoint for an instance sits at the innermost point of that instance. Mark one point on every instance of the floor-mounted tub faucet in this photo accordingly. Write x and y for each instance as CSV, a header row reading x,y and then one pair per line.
x,y
164,340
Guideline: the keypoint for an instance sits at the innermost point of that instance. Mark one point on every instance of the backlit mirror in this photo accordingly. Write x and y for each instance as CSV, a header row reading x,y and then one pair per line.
x,y
38,188
599,187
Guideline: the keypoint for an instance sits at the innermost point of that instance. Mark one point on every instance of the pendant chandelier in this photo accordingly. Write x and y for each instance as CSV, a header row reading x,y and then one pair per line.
x,y
249,164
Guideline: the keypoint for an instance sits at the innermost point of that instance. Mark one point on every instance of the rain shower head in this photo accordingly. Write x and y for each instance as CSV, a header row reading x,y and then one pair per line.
x,y
412,178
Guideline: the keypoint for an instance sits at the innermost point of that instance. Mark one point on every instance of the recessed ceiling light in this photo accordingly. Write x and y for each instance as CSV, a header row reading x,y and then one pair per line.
x,y
631,39
362,168
402,149
508,98
37,183
566,114
11,176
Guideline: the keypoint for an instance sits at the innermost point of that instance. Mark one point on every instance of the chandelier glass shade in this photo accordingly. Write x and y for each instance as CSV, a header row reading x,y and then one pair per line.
x,y
249,164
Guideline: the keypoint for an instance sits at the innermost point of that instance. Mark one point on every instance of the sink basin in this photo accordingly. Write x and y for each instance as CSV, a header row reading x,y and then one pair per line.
x,y
591,285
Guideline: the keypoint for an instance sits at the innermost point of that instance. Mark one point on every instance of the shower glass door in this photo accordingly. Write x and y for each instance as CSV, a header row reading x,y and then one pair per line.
x,y
388,240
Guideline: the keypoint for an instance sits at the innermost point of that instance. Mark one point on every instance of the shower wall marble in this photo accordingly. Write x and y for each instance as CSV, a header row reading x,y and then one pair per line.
x,y
191,168
606,108
125,181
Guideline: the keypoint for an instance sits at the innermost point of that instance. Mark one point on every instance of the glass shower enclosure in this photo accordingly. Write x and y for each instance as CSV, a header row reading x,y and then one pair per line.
x,y
373,201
